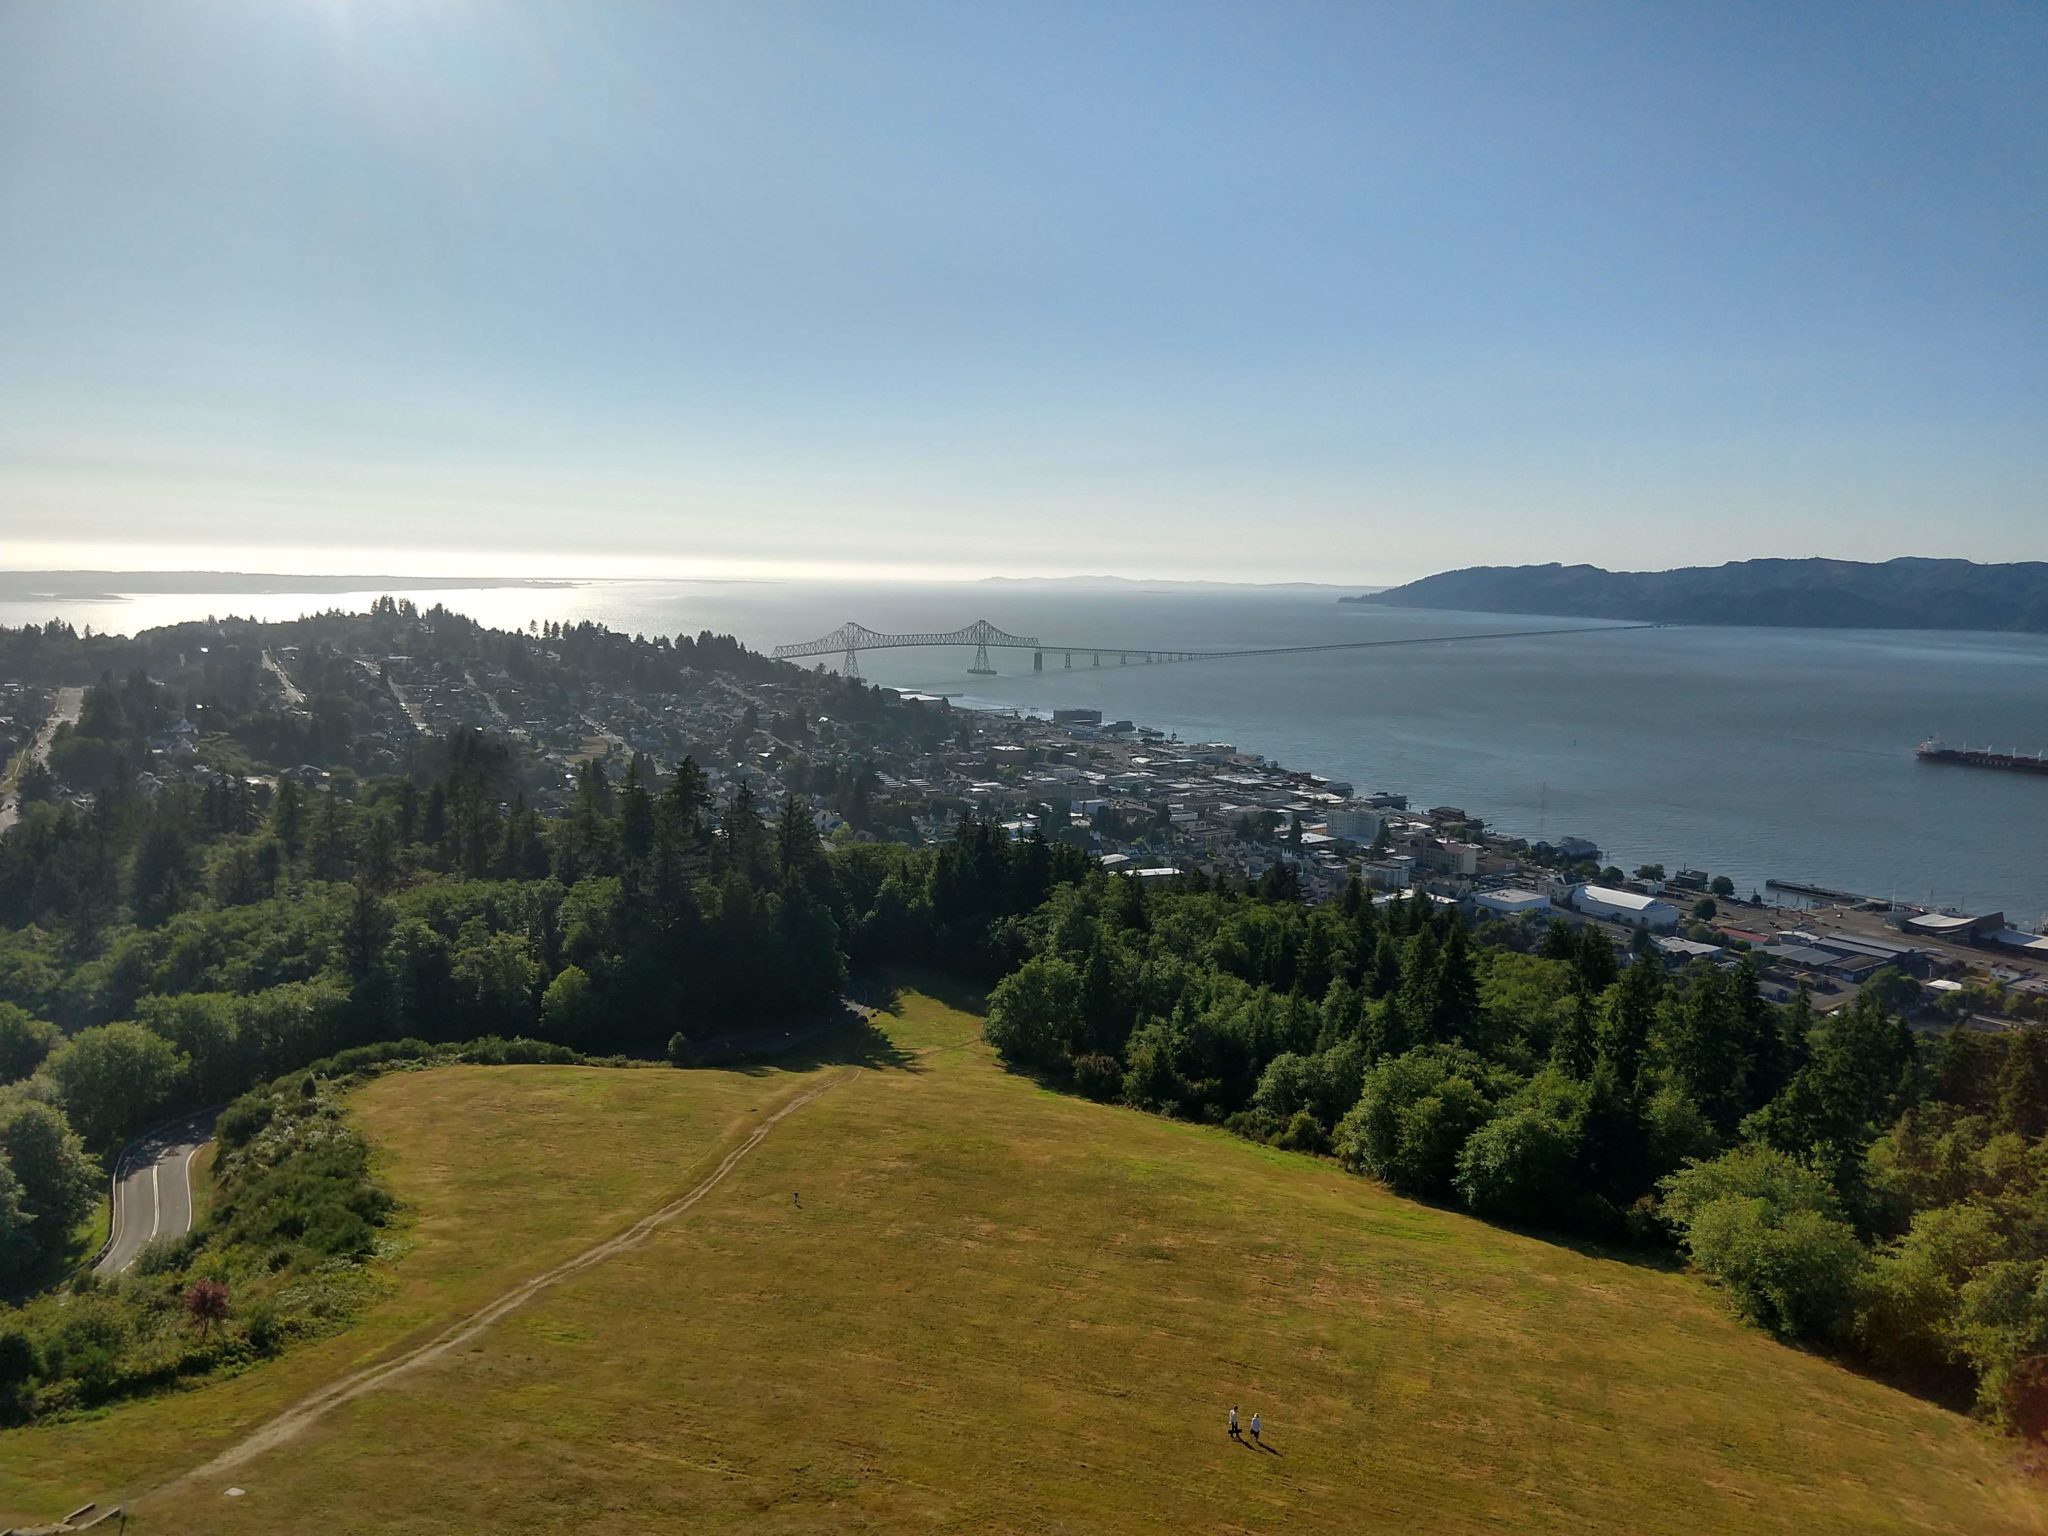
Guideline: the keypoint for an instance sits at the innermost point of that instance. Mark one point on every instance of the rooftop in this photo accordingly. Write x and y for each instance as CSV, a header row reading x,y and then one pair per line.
x,y
1629,900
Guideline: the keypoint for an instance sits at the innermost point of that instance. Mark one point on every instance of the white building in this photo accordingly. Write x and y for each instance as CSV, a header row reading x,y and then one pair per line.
x,y
1511,902
1625,907
1359,823
1393,874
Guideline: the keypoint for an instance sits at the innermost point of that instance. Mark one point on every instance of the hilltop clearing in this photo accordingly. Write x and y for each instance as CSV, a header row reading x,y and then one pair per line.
x,y
995,1308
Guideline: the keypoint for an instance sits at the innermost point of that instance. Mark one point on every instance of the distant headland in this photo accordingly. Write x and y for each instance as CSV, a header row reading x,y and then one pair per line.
x,y
1907,593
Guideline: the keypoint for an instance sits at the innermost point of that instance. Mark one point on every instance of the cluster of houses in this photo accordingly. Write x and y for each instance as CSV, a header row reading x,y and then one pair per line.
x,y
1147,803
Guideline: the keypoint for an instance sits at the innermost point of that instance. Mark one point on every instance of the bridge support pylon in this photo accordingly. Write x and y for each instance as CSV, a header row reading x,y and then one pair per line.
x,y
981,667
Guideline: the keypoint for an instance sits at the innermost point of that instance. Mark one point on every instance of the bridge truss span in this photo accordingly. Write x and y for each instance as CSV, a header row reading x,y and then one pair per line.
x,y
850,639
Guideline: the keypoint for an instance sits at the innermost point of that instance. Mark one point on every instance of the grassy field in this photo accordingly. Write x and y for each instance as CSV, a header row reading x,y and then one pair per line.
x,y
1002,1309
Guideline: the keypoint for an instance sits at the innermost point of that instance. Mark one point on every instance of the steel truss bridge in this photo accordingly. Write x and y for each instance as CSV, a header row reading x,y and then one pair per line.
x,y
850,639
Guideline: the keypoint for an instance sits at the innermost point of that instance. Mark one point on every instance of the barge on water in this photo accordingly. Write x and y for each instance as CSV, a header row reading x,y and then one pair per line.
x,y
1933,751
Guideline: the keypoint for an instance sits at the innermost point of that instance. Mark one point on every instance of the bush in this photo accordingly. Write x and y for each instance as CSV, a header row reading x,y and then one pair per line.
x,y
116,1079
18,1359
1034,1012
1413,1115
1284,1086
569,1007
24,1041
1913,1297
493,1051
1676,1131
1303,1133
264,1328
244,1120
1100,1077
1519,1166
1769,1230
2001,1328
1255,1124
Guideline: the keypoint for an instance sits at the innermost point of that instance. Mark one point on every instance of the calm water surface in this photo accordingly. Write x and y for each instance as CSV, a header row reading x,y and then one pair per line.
x,y
1749,752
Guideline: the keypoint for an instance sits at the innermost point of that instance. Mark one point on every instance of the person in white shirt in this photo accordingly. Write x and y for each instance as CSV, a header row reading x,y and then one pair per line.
x,y
1233,1422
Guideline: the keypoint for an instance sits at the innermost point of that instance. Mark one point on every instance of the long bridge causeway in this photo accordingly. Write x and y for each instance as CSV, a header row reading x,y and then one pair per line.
x,y
850,639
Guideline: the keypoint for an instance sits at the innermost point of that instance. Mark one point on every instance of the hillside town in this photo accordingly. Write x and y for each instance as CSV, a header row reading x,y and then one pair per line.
x,y
336,700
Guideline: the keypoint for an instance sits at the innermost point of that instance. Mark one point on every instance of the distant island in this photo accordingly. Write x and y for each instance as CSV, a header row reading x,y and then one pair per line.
x,y
1906,593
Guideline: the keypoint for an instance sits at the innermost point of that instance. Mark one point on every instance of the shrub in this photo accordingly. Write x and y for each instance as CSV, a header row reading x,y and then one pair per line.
x,y
24,1041
18,1361
1413,1115
263,1326
244,1120
1099,1076
1284,1086
1255,1124
496,1051
206,1304
1676,1131
1519,1165
1034,1012
569,1008
2001,1328
1769,1230
116,1079
1913,1298
1303,1133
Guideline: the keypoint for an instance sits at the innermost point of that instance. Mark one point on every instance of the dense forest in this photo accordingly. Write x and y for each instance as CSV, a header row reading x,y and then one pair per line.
x,y
1848,1185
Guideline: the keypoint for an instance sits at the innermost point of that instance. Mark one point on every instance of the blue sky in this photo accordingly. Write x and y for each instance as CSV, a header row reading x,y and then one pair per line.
x,y
1272,291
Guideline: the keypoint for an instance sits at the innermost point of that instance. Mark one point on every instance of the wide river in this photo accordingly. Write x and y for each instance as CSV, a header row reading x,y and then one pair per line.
x,y
1748,752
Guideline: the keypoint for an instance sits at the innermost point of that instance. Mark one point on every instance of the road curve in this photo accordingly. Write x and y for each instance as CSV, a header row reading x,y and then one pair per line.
x,y
153,1189
69,704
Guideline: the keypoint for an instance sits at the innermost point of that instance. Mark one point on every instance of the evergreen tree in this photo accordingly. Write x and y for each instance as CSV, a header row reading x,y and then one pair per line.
x,y
1593,958
1457,1001
2022,1086
798,858
742,838
1383,978
1626,1028
1420,1000
636,815
1103,1010
1575,1047
288,815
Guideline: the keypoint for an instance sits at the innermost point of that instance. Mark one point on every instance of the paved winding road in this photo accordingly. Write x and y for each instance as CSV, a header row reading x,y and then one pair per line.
x,y
153,1189
70,701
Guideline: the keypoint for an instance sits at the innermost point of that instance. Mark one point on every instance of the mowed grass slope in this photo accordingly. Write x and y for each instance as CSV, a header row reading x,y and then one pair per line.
x,y
1003,1309
503,1170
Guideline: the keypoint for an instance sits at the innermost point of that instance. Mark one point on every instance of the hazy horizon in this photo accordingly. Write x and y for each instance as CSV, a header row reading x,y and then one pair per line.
x,y
936,293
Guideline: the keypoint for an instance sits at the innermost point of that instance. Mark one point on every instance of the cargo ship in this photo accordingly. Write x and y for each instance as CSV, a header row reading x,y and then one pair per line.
x,y
1934,751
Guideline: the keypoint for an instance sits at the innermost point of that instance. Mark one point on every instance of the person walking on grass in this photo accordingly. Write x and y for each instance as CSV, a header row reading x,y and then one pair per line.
x,y
1233,1423
1255,1429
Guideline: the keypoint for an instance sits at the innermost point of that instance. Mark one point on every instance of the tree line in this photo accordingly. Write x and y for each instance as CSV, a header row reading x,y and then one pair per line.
x,y
1845,1183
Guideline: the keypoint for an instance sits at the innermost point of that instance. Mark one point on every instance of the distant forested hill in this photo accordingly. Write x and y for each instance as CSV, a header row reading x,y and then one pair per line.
x,y
1835,594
